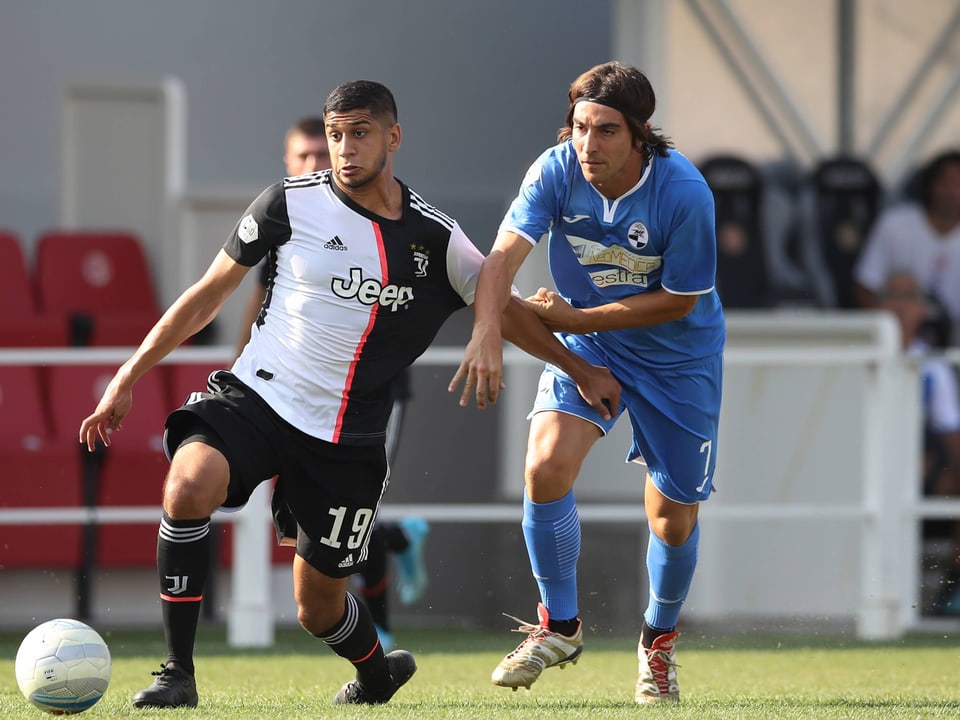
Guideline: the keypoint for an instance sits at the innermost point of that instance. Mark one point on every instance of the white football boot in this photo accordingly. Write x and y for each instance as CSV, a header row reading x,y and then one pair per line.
x,y
541,649
657,679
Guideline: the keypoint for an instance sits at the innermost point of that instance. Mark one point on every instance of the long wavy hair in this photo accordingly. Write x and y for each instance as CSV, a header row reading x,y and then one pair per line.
x,y
623,88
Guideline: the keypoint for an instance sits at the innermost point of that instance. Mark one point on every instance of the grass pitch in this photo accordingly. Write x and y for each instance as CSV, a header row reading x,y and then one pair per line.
x,y
724,678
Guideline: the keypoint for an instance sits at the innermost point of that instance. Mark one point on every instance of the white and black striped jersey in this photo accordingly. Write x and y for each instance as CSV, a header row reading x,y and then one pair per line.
x,y
352,299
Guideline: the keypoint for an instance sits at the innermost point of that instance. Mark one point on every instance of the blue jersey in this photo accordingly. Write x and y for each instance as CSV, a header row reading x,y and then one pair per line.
x,y
660,234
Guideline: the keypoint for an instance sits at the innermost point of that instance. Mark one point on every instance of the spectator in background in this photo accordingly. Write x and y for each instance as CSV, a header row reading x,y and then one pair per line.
x,y
922,236
306,151
903,296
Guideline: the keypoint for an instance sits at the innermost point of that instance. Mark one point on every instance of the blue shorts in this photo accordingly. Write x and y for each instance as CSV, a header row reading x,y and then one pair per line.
x,y
674,414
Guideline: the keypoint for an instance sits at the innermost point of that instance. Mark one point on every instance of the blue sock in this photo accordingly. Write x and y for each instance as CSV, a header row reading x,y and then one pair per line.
x,y
552,532
670,572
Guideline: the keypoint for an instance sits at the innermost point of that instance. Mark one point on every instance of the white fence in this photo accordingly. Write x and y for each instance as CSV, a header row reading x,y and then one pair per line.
x,y
818,507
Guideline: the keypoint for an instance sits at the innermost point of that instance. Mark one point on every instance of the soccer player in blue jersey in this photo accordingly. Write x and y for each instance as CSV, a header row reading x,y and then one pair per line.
x,y
632,249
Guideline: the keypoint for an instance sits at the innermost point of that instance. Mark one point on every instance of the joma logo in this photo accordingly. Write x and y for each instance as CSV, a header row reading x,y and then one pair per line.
x,y
370,291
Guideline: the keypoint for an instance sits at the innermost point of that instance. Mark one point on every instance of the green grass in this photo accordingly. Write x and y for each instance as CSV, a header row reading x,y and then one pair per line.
x,y
725,678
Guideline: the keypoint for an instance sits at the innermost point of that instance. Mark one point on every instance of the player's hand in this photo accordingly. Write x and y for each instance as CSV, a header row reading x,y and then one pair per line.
x,y
555,312
111,410
480,371
600,389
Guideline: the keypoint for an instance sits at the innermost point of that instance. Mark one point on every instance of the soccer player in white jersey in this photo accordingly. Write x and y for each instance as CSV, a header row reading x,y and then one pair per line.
x,y
632,253
366,272
306,151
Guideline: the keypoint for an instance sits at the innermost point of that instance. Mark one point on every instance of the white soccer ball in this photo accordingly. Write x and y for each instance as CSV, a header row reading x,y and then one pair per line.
x,y
63,666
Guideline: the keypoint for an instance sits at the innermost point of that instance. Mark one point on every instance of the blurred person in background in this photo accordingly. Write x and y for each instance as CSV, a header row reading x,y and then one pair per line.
x,y
923,236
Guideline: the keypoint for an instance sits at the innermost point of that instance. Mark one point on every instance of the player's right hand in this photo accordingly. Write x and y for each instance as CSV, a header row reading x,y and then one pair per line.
x,y
108,416
601,390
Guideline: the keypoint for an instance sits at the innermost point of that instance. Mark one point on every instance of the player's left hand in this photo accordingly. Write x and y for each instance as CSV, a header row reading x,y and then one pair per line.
x,y
555,312
480,371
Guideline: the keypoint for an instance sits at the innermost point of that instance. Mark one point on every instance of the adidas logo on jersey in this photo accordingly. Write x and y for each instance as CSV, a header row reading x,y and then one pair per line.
x,y
346,562
335,244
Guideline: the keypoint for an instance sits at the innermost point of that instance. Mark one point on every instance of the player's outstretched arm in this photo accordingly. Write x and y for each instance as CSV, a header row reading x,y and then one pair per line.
x,y
481,370
642,310
190,313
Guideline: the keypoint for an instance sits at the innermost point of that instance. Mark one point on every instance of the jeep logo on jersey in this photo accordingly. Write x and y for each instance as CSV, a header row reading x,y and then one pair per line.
x,y
370,291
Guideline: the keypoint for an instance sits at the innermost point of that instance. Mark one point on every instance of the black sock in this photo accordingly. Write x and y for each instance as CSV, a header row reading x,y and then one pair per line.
x,y
649,633
375,582
564,627
183,561
355,638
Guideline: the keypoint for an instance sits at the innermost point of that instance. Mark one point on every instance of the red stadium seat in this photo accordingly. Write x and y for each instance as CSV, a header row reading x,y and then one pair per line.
x,y
133,467
36,473
21,324
101,282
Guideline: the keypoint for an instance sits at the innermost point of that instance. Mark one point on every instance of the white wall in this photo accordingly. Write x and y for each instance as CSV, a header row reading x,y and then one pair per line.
x,y
709,111
480,86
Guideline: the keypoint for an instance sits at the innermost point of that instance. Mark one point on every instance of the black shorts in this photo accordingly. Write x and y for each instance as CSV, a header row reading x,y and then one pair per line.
x,y
333,491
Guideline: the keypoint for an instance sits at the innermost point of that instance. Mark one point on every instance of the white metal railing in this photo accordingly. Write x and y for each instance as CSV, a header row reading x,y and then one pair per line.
x,y
887,523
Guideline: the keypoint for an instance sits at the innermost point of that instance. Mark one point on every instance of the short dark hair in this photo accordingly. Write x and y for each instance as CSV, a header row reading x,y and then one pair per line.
x,y
362,95
310,127
931,172
623,88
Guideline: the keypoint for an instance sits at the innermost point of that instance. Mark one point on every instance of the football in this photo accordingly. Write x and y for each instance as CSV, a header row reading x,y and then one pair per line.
x,y
63,666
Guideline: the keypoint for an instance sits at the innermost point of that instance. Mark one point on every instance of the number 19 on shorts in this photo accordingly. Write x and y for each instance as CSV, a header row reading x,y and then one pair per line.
x,y
356,532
